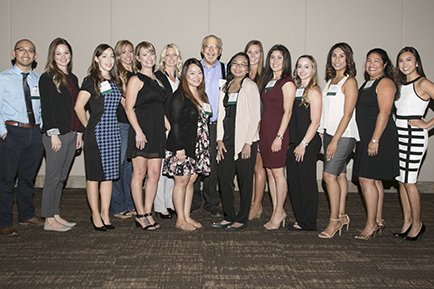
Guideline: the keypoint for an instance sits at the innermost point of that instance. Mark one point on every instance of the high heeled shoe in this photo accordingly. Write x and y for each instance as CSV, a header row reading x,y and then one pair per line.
x,y
381,225
148,225
418,236
402,234
365,237
255,212
101,229
274,226
345,220
325,235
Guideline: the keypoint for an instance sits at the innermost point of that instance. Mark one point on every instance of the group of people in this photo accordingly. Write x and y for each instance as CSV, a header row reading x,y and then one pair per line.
x,y
182,130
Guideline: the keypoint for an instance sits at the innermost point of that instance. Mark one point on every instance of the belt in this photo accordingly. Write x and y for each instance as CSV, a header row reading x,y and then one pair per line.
x,y
20,124
212,122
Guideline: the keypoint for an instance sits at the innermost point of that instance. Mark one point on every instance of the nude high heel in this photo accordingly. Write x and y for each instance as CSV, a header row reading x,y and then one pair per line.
x,y
274,226
325,235
345,220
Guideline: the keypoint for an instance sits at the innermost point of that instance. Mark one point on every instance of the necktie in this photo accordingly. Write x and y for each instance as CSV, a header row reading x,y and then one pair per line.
x,y
28,97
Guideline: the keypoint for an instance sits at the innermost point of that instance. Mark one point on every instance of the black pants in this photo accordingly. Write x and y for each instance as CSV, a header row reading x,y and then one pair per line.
x,y
20,156
244,170
302,184
209,189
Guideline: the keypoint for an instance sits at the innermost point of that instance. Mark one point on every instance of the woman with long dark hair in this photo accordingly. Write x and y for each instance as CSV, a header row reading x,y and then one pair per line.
x,y
121,204
187,152
237,141
376,156
339,130
58,88
277,95
101,90
415,93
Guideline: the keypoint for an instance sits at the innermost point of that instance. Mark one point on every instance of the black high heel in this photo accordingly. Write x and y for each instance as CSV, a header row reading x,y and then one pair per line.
x,y
148,226
109,226
152,226
403,234
419,235
101,229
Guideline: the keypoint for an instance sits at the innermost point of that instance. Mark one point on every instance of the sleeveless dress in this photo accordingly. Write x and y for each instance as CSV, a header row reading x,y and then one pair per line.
x,y
383,166
272,100
149,109
102,139
413,141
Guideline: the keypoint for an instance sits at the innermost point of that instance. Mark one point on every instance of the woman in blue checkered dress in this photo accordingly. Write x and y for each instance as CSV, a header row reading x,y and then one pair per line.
x,y
100,91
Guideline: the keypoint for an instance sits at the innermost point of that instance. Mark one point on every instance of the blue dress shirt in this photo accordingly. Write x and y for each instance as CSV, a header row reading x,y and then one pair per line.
x,y
212,78
12,99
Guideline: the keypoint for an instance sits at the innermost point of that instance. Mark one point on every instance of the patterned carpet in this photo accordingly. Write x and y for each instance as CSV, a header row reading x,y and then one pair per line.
x,y
254,258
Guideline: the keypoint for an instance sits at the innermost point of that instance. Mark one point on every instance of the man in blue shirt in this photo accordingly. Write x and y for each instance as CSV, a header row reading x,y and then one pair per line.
x,y
214,79
21,147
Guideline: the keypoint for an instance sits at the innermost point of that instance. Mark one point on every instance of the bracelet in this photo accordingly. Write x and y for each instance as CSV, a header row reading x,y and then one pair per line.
x,y
279,137
375,141
304,143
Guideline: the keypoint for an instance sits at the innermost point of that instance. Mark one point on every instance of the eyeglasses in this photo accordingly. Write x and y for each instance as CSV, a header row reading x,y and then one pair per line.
x,y
241,65
23,50
214,47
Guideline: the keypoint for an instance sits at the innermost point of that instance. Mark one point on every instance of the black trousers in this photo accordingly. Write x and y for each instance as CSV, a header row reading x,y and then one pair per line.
x,y
302,184
209,188
244,170
20,157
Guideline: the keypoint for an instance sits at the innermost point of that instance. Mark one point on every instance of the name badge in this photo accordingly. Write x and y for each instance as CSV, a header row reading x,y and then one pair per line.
x,y
34,92
222,82
206,107
105,87
369,84
270,84
233,97
333,90
299,92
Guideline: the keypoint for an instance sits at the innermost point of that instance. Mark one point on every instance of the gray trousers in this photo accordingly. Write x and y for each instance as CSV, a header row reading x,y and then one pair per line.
x,y
57,165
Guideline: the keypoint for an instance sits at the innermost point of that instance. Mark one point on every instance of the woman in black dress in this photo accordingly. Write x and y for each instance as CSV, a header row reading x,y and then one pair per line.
x,y
304,144
101,91
147,139
377,152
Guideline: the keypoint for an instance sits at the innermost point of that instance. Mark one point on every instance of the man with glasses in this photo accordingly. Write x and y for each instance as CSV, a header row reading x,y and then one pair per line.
x,y
214,75
21,147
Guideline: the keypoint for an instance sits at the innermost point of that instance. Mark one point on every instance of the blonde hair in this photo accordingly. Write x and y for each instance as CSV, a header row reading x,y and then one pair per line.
x,y
312,82
162,64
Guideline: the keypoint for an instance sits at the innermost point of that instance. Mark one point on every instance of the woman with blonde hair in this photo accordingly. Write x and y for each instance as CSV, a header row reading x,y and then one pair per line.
x,y
304,144
255,51
147,140
168,73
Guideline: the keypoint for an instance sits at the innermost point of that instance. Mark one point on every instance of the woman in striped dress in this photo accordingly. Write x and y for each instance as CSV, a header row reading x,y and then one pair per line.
x,y
415,93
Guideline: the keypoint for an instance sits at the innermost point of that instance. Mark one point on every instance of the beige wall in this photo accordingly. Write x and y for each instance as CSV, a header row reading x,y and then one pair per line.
x,y
304,26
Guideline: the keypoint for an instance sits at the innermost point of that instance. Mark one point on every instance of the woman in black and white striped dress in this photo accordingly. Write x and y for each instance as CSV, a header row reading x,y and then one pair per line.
x,y
415,93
